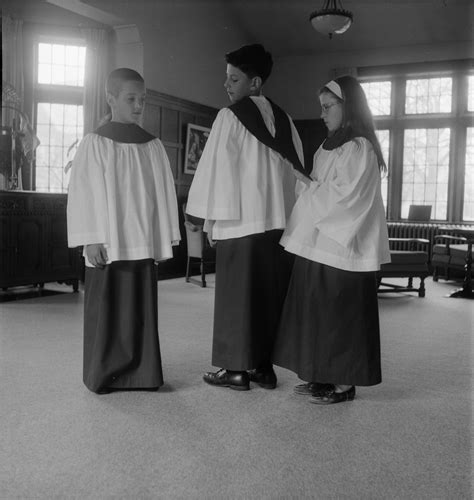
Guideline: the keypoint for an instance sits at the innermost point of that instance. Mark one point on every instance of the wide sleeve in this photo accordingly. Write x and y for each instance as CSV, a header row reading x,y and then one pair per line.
x,y
302,181
168,205
215,190
87,199
340,203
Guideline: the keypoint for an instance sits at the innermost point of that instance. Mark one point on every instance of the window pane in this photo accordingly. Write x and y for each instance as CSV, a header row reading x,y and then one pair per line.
x,y
428,95
425,170
45,53
468,211
57,75
384,139
378,96
470,86
42,178
60,130
61,64
44,73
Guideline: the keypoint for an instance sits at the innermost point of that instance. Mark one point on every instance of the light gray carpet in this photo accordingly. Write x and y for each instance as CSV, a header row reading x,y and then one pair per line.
x,y
409,438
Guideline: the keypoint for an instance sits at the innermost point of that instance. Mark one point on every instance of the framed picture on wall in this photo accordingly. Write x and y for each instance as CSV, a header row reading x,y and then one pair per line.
x,y
196,138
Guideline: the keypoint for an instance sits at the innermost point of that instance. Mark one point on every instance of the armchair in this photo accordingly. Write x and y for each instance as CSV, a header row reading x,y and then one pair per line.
x,y
456,254
410,263
449,256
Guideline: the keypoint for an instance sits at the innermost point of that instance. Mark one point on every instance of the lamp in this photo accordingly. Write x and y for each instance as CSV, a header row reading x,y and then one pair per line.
x,y
332,18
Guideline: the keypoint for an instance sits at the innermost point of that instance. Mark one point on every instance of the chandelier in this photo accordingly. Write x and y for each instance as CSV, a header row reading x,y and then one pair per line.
x,y
331,19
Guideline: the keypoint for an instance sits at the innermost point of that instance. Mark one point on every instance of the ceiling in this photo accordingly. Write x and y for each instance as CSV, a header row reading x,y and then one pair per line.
x,y
282,25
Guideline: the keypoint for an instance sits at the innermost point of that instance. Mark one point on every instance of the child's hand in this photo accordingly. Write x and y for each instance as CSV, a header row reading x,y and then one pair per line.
x,y
97,255
212,242
302,177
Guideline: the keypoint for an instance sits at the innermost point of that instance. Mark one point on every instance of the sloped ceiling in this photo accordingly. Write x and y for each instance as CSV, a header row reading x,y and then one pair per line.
x,y
283,25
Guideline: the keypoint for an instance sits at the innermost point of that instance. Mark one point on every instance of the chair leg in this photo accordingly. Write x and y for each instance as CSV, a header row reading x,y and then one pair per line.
x,y
203,274
410,282
435,273
187,270
421,290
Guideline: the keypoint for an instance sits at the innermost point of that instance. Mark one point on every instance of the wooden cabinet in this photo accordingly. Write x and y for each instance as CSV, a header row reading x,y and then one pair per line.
x,y
33,240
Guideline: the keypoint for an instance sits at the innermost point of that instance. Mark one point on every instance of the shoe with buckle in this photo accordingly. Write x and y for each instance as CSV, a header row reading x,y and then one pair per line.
x,y
264,378
238,381
331,397
312,388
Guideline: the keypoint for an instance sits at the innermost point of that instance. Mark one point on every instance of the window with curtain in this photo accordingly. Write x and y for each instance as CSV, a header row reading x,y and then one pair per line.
x,y
59,114
425,112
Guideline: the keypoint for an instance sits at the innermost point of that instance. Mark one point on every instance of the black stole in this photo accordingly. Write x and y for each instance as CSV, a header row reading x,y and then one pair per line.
x,y
249,115
129,133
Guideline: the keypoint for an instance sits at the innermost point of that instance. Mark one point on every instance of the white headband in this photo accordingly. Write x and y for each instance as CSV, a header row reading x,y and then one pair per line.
x,y
335,88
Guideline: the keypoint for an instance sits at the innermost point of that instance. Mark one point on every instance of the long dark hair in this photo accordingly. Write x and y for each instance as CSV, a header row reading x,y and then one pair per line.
x,y
358,120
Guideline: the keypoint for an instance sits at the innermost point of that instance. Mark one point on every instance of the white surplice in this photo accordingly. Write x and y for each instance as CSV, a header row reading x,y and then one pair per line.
x,y
339,219
240,183
123,196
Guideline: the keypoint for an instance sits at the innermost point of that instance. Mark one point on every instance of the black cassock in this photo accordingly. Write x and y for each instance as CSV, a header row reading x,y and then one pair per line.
x,y
252,272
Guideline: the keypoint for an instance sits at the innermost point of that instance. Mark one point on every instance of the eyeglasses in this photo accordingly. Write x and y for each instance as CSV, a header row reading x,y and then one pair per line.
x,y
326,107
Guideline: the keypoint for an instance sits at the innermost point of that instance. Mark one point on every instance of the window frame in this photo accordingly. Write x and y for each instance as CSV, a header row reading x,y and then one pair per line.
x,y
457,120
53,93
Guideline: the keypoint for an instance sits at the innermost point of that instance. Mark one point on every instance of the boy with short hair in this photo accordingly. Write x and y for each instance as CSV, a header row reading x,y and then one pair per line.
x,y
122,208
244,189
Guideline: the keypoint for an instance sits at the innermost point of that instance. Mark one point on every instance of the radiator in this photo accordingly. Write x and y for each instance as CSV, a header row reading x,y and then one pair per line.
x,y
415,230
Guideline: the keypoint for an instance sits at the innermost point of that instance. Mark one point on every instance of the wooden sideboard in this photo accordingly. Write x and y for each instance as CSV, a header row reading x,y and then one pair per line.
x,y
33,240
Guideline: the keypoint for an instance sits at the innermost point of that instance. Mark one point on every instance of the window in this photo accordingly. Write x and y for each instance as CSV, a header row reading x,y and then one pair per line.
x,y
378,97
423,115
468,208
59,118
470,99
425,170
379,100
429,95
384,139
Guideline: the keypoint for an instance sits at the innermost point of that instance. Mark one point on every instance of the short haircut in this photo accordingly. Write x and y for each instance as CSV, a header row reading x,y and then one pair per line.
x,y
253,60
118,76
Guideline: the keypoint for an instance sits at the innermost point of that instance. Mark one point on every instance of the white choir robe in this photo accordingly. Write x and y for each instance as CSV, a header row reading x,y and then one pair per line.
x,y
240,183
339,219
248,189
123,196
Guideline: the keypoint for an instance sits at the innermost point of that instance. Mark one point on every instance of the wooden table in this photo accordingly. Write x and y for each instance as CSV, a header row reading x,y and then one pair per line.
x,y
466,291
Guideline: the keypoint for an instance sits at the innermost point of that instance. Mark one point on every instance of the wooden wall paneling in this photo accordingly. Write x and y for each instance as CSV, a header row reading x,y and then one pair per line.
x,y
167,117
169,125
152,119
173,156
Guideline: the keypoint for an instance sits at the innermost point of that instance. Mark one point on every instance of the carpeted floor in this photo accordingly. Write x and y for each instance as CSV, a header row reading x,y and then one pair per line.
x,y
409,438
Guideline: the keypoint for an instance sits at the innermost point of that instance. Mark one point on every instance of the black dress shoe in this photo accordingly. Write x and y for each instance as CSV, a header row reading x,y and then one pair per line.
x,y
312,388
331,397
238,381
264,378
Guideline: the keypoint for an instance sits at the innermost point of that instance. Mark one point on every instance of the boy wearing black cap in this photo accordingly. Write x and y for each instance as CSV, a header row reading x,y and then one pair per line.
x,y
244,189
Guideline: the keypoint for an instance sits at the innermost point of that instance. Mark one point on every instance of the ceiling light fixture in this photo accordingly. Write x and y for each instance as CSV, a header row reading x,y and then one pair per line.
x,y
331,19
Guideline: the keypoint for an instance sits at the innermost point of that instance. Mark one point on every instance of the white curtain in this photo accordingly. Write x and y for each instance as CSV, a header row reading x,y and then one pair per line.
x,y
97,69
12,83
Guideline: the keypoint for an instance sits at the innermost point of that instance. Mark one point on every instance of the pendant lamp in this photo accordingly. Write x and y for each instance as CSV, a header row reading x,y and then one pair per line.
x,y
331,19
